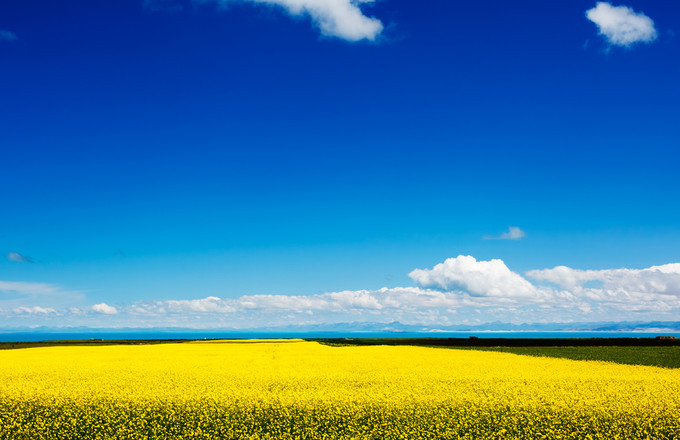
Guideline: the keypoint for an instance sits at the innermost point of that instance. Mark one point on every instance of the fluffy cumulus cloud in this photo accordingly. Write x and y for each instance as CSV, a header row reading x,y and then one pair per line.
x,y
621,25
334,18
105,309
478,278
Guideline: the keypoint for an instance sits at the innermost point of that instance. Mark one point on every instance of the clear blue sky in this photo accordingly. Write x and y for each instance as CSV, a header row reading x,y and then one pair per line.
x,y
155,151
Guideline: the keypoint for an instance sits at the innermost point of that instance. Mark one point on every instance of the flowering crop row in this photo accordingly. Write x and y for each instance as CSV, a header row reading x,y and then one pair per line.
x,y
297,389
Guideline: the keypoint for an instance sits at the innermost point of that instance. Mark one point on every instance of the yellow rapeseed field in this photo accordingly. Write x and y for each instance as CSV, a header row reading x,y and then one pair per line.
x,y
297,389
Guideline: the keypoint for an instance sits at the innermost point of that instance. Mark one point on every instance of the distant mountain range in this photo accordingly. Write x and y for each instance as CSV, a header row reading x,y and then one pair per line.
x,y
391,327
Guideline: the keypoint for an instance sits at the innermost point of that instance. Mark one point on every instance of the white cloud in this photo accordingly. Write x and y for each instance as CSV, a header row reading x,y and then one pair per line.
x,y
334,18
621,25
479,278
348,299
656,279
35,310
17,257
564,276
282,303
383,299
7,35
656,288
210,304
105,309
514,233
38,301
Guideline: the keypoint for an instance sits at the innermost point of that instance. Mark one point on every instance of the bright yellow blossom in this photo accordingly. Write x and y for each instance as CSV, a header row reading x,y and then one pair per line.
x,y
304,390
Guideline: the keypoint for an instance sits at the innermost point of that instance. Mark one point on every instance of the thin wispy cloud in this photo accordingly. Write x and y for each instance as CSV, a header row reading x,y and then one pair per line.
x,y
342,19
18,258
621,25
24,288
8,35
513,233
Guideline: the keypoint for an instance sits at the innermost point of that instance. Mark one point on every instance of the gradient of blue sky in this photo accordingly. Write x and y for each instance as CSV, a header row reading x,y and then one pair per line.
x,y
174,155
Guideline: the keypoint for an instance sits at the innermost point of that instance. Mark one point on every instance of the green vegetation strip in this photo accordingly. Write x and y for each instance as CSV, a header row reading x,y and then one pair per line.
x,y
631,351
668,357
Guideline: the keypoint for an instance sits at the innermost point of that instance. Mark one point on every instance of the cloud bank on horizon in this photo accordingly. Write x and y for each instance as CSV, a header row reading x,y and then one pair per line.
x,y
460,290
621,25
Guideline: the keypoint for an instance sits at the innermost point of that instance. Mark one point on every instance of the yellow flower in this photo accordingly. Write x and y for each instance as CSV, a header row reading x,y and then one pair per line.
x,y
302,390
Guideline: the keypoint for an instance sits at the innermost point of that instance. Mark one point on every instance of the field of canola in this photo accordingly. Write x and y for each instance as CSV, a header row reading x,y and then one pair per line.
x,y
304,390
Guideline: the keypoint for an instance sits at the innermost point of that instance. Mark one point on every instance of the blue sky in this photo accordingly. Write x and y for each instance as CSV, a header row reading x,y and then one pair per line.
x,y
236,163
